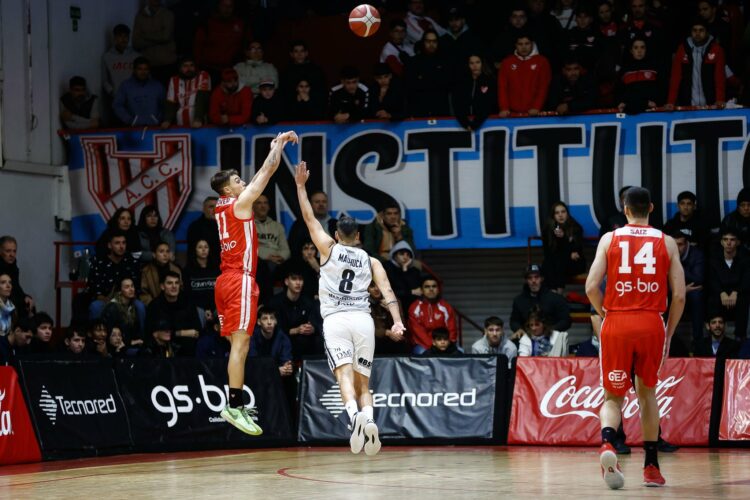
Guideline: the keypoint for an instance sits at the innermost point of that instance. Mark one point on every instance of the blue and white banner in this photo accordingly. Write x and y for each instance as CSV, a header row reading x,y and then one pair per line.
x,y
490,188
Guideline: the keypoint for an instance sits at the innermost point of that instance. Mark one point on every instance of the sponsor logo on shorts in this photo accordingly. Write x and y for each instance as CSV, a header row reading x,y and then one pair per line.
x,y
617,378
364,362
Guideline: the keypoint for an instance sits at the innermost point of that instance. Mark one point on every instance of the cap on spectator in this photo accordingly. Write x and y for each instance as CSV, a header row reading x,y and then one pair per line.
x,y
229,74
743,196
456,13
532,269
687,195
381,69
267,83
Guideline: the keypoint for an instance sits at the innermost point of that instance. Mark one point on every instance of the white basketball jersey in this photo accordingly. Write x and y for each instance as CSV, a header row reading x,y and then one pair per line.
x,y
344,279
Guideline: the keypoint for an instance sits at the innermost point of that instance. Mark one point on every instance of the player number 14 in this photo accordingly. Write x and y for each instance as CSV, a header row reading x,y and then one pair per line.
x,y
644,257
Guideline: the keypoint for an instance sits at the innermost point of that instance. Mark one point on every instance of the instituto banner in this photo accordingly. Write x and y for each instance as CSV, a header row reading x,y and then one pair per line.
x,y
488,188
735,413
17,440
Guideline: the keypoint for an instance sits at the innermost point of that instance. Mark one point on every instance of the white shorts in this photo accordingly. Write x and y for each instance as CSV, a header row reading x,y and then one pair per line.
x,y
350,338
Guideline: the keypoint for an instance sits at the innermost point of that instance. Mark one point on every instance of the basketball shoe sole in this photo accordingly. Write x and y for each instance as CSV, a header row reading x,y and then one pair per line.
x,y
357,440
611,472
372,440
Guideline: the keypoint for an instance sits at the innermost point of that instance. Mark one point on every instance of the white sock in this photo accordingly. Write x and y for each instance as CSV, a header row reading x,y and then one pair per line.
x,y
367,410
351,408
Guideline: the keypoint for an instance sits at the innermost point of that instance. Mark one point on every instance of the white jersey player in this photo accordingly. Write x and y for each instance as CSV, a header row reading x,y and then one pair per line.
x,y
348,330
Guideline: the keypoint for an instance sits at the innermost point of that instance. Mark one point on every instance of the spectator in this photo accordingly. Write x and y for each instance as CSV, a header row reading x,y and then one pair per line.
x,y
97,334
78,109
305,105
153,273
204,227
717,345
219,40
738,221
565,12
428,312
717,27
583,40
122,221
610,38
268,108
545,30
299,234
442,346
126,313
523,79
200,280
640,25
539,339
269,340
573,90
505,43
273,249
307,263
386,342
153,37
298,316
173,307
187,96
475,95
116,343
41,342
459,42
608,28
254,70
552,305
692,261
618,219
16,341
8,314
728,283
231,101
151,232
117,62
396,53
386,230
387,96
301,68
640,86
139,101
494,340
350,99
160,343
212,345
108,270
688,221
404,277
698,77
562,237
9,266
75,343
428,80
417,24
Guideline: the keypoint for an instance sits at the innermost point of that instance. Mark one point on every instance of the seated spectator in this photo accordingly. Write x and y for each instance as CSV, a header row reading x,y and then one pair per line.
x,y
212,344
304,104
231,101
151,232
139,101
117,62
269,340
299,234
442,346
692,261
523,79
618,219
583,40
41,342
428,80
96,344
640,86
717,345
539,339
268,108
738,221
459,41
298,316
16,341
728,283
253,69
204,227
350,99
396,52
700,54
74,346
79,109
573,90
386,230
159,343
173,307
122,221
273,249
565,12
404,277
475,95
307,263
8,313
494,340
417,23
387,95
219,41
187,98
153,37
505,43
589,348
427,313
562,239
9,265
154,272
116,343
688,221
386,342
126,313
108,270
301,68
200,275
552,305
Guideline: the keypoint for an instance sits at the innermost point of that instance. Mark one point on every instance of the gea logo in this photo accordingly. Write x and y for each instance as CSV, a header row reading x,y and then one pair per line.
x,y
178,400
6,426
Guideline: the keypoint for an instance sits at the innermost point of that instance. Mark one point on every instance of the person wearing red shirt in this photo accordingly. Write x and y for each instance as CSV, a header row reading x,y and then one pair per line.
x,y
220,40
523,79
427,314
231,102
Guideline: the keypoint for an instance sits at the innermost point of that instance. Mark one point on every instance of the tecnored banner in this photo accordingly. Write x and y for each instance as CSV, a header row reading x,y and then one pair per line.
x,y
17,440
735,412
414,398
556,401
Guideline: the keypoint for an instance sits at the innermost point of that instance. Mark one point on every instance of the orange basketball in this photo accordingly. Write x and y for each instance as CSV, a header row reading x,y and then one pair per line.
x,y
364,20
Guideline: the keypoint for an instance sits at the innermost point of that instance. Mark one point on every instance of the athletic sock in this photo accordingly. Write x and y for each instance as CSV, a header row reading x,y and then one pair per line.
x,y
609,435
351,408
367,410
651,448
235,398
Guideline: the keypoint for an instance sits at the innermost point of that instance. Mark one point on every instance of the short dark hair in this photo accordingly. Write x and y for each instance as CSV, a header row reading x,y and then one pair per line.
x,y
221,178
396,23
296,43
77,81
210,198
349,72
121,29
316,191
7,238
390,204
381,69
493,320
117,233
141,60
347,226
687,195
622,191
265,311
729,230
677,234
170,274
24,324
293,270
428,277
41,318
638,199
441,333
76,328
523,34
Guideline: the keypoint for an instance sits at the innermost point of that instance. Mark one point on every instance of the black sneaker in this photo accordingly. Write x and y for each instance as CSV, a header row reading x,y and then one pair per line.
x,y
666,447
621,448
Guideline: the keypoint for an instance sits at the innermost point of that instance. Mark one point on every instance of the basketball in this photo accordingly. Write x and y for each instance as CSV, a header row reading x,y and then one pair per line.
x,y
364,20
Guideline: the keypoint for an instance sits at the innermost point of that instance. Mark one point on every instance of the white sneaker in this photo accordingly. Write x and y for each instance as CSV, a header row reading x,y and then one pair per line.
x,y
357,441
372,440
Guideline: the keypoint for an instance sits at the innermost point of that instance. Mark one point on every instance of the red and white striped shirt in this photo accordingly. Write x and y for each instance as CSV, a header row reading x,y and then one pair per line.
x,y
238,238
183,92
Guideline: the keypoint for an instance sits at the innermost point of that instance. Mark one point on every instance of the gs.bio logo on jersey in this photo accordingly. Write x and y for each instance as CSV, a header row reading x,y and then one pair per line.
x,y
643,258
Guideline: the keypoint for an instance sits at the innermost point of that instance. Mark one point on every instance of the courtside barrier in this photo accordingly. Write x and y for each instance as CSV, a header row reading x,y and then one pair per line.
x,y
17,440
735,414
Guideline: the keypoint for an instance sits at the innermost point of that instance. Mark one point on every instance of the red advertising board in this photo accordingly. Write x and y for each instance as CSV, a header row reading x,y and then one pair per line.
x,y
735,410
17,440
556,401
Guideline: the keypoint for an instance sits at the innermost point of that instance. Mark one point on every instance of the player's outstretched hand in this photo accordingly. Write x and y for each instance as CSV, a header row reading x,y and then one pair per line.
x,y
290,136
398,328
301,174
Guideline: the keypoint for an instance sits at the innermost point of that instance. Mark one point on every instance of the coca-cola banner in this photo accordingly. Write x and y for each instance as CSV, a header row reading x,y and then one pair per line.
x,y
735,412
17,440
556,401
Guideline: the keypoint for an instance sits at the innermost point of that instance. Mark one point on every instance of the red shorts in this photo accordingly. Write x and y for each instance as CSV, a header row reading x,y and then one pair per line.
x,y
632,343
236,297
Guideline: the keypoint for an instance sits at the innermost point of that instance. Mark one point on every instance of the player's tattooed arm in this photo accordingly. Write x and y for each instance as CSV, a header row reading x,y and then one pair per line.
x,y
260,180
381,279
323,242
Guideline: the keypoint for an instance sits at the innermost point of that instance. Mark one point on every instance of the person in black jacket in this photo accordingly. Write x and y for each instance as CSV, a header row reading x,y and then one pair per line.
x,y
387,95
562,239
553,305
717,345
640,85
172,306
200,279
205,228
739,220
268,108
442,347
688,221
693,263
305,105
404,277
350,99
728,282
573,90
9,265
475,94
123,220
428,80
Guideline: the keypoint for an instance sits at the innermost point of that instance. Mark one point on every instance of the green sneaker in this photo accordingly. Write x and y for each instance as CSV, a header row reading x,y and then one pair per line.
x,y
242,418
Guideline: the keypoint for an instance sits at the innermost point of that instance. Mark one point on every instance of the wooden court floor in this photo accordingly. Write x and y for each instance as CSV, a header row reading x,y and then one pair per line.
x,y
397,472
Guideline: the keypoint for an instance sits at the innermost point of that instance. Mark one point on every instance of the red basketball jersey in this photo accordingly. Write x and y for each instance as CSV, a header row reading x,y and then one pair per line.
x,y
637,269
238,238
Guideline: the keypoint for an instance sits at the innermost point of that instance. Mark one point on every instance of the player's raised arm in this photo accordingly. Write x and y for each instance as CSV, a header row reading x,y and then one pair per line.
x,y
596,274
323,242
676,279
381,279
